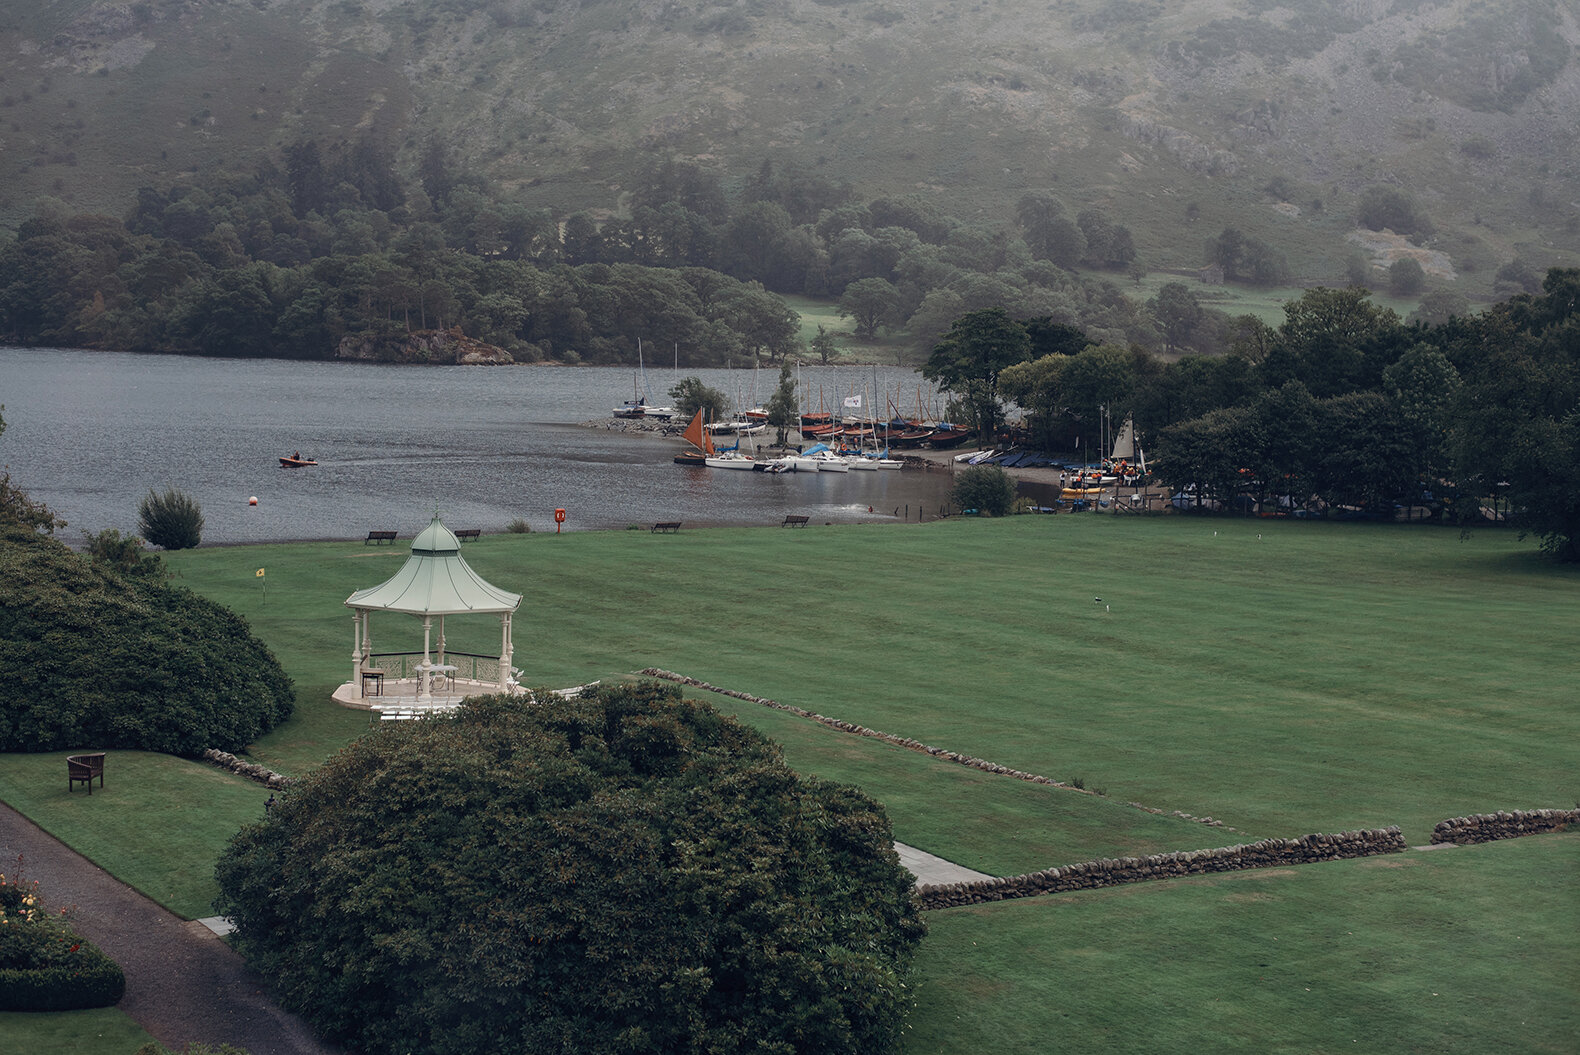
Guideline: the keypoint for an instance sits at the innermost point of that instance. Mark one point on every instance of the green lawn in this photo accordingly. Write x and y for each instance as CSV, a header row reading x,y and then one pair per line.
x,y
101,1031
158,823
1468,950
1282,677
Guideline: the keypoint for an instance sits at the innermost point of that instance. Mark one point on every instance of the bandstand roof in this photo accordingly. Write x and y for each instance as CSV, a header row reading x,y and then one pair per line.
x,y
435,580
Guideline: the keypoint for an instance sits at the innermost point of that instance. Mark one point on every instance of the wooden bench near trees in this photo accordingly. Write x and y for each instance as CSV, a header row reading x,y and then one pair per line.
x,y
81,769
378,538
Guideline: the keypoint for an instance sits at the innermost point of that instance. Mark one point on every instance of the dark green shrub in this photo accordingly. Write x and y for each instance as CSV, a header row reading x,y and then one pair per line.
x,y
629,871
1406,277
984,488
134,661
171,521
1394,209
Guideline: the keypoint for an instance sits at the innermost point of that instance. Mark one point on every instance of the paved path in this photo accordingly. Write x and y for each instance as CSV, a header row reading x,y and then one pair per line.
x,y
934,870
182,982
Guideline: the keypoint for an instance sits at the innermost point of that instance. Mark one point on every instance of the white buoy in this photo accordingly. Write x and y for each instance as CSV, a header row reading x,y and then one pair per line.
x,y
252,501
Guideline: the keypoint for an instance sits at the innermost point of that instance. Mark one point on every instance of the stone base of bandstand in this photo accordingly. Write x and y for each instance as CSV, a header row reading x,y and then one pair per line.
x,y
406,694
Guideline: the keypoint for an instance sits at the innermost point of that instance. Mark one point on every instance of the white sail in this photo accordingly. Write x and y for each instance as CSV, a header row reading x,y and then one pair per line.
x,y
1125,442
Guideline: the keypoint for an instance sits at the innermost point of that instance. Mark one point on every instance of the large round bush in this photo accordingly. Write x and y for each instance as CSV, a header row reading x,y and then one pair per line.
x,y
624,872
93,657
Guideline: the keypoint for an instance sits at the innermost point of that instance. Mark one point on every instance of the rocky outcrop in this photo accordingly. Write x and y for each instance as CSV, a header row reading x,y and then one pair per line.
x,y
434,347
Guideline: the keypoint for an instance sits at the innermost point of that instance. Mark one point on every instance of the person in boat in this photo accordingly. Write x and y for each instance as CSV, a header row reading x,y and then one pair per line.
x,y
296,456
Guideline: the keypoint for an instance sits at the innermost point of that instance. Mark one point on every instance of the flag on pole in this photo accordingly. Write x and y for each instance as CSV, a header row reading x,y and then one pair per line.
x,y
853,401
260,573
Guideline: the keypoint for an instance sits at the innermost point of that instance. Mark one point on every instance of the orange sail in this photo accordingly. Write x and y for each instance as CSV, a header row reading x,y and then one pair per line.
x,y
697,436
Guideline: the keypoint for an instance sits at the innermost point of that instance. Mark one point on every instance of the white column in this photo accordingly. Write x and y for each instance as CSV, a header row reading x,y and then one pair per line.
x,y
425,688
504,650
356,655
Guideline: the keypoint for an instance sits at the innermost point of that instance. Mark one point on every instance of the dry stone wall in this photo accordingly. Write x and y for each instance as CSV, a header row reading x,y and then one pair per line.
x,y
1505,824
1089,875
251,770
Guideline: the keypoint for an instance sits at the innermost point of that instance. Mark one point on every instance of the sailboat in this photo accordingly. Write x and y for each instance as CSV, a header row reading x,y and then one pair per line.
x,y
637,407
701,442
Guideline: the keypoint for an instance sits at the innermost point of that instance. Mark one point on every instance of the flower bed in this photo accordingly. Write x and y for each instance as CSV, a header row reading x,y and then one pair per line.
x,y
44,966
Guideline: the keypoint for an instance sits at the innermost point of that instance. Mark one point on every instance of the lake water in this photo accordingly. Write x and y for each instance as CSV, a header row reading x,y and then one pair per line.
x,y
90,433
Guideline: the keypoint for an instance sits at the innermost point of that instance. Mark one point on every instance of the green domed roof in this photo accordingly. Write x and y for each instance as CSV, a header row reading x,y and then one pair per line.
x,y
435,580
436,538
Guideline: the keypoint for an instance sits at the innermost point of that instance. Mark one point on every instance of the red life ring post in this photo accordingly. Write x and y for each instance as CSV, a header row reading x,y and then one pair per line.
x,y
559,518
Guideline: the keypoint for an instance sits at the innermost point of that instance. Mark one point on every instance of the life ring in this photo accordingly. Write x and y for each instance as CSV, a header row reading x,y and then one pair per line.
x,y
559,516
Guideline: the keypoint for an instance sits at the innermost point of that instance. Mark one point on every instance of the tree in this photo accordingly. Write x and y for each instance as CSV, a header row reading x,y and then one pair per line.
x,y
1421,386
986,489
1516,427
1406,278
627,871
871,302
1438,306
690,395
1225,251
1393,209
1049,233
781,406
1178,312
17,508
823,344
1326,339
172,520
967,362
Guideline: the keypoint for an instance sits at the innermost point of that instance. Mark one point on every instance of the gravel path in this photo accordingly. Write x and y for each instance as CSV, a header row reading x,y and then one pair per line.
x,y
182,982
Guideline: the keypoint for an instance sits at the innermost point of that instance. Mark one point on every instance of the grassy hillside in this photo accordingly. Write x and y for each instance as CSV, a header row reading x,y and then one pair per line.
x,y
1179,118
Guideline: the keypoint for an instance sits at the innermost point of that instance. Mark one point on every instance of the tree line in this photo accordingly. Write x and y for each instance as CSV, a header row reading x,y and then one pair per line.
x,y
1342,408
289,258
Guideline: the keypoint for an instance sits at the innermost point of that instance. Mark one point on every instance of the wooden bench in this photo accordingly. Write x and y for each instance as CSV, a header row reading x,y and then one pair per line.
x,y
468,534
670,526
378,538
81,769
794,521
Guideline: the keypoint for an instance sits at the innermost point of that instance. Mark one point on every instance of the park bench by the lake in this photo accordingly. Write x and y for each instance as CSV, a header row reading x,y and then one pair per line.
x,y
81,769
668,526
468,534
793,520
378,538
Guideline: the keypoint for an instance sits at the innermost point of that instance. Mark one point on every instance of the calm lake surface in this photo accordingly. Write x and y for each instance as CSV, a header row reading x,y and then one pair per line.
x,y
90,433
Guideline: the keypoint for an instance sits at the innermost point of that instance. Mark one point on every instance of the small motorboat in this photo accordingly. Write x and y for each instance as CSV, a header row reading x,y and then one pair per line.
x,y
295,461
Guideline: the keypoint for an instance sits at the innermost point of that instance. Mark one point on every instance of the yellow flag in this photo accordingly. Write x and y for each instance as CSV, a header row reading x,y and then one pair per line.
x,y
260,573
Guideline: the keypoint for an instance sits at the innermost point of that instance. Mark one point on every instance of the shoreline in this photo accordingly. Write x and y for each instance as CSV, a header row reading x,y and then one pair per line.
x,y
926,459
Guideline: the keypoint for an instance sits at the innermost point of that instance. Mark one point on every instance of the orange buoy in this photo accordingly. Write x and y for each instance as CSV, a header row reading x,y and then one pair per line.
x,y
253,500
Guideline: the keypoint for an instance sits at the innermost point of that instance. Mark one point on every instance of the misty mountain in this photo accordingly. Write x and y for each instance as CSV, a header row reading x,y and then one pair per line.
x,y
1177,117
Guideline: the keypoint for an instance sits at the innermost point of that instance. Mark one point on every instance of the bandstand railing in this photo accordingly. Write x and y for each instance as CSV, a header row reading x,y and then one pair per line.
x,y
469,666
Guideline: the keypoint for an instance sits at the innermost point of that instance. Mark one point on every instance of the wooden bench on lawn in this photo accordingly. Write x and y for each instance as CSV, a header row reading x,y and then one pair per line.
x,y
468,534
669,526
81,769
793,520
378,538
